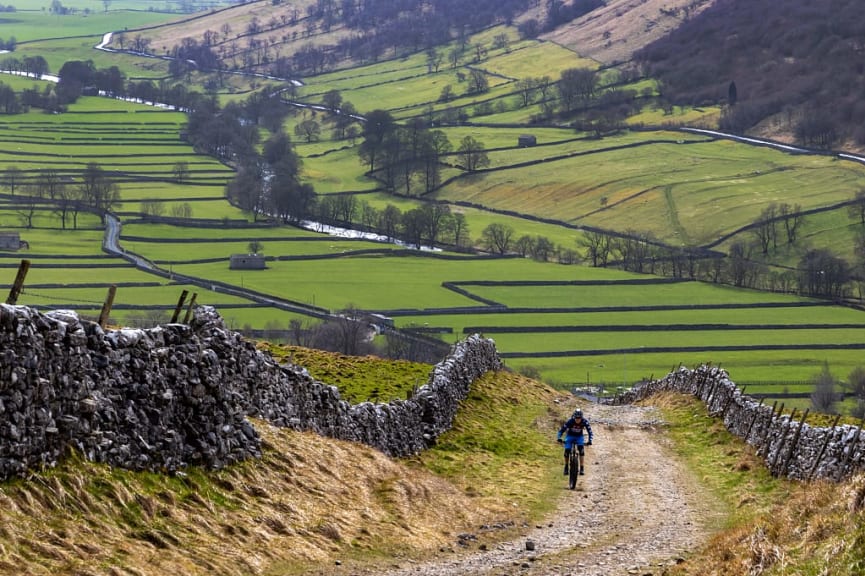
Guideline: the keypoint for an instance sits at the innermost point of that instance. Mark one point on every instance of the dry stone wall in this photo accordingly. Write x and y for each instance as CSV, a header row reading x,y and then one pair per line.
x,y
179,395
789,445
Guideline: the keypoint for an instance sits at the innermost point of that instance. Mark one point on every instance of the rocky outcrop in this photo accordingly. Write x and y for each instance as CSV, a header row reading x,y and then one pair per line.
x,y
175,395
789,445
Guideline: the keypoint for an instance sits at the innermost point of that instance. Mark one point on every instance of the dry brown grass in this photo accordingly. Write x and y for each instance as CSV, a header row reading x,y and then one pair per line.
x,y
309,501
614,32
790,529
284,39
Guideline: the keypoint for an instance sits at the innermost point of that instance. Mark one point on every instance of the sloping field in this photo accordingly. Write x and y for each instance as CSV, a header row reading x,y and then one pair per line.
x,y
617,331
615,31
681,191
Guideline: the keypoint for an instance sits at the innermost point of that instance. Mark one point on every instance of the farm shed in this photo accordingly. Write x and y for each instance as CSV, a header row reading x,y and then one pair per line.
x,y
10,241
526,140
247,262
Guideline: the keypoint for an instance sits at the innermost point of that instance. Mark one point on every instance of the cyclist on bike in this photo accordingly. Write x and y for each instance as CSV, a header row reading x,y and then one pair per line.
x,y
572,430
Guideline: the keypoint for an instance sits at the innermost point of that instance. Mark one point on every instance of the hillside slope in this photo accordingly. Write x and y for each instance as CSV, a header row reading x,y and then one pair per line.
x,y
613,33
309,502
799,66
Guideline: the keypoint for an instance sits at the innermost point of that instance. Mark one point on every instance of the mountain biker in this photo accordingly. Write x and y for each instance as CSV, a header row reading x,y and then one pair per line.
x,y
573,429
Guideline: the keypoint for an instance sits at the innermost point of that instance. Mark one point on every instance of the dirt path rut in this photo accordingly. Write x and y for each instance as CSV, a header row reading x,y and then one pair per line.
x,y
636,510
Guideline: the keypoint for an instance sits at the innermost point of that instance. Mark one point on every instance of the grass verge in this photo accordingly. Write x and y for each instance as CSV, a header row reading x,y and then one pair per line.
x,y
773,526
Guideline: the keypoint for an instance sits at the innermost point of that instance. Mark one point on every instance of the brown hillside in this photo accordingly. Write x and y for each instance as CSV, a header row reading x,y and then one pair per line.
x,y
797,67
613,33
309,504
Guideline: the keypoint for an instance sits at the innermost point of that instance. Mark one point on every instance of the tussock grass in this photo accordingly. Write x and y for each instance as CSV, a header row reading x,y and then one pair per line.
x,y
309,501
774,526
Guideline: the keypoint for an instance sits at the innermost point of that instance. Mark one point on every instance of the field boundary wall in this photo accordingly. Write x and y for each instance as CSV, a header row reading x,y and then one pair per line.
x,y
177,395
787,443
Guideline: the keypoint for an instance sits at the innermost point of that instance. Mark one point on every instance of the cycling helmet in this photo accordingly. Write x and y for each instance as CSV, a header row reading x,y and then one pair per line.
x,y
578,413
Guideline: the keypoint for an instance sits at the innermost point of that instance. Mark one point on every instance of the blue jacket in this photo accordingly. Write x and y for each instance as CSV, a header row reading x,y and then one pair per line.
x,y
574,431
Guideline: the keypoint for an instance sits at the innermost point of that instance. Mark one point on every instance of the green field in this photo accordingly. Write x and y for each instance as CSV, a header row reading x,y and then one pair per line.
x,y
581,325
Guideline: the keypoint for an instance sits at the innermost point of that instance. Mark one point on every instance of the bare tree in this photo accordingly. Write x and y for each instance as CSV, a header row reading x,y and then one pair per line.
x,y
12,178
309,130
181,171
496,237
347,333
857,208
598,247
793,219
764,228
823,398
152,207
472,153
98,191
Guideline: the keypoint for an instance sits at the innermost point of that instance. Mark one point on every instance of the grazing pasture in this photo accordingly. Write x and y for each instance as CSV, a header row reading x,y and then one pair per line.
x,y
571,324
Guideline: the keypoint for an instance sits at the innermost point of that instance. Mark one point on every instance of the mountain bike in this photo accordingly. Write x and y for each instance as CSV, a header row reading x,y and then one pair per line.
x,y
574,467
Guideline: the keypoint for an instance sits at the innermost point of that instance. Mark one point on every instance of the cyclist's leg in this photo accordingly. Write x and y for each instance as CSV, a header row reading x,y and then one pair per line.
x,y
582,454
567,457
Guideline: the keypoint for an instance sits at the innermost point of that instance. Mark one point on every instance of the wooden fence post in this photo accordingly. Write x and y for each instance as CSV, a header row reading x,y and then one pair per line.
x,y
701,383
782,439
754,419
179,306
764,450
842,468
188,315
795,441
106,306
711,392
823,448
730,401
19,282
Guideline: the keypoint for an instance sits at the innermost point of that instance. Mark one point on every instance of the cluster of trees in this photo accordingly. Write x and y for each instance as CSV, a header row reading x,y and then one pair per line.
x,y
348,331
826,393
267,179
92,190
577,96
31,65
818,272
401,155
408,158
558,12
268,183
500,238
232,133
799,63
78,77
431,224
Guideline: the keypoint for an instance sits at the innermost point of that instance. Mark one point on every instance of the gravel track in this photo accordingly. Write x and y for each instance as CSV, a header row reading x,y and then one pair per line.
x,y
635,511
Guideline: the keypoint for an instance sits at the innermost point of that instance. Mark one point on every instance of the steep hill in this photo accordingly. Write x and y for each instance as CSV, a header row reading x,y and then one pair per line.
x,y
611,34
797,67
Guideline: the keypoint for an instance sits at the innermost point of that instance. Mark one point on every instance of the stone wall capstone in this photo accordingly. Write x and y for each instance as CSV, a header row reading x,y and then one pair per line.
x,y
178,395
789,446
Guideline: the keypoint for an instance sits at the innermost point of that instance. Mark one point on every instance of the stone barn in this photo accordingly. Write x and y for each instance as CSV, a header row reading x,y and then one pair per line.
x,y
247,262
526,140
10,241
